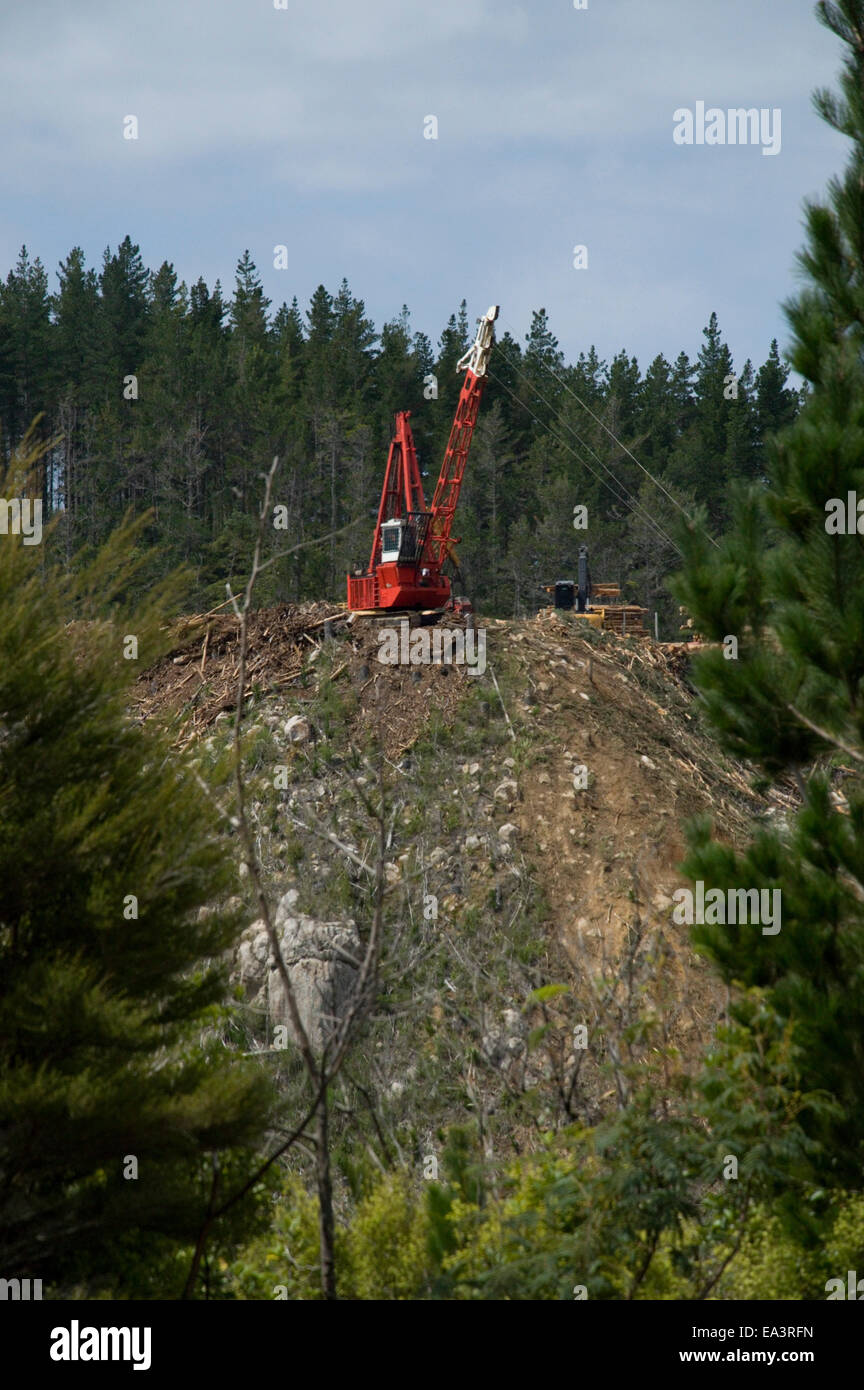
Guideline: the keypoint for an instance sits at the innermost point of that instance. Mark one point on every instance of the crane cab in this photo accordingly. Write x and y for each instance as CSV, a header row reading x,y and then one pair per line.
x,y
391,540
402,537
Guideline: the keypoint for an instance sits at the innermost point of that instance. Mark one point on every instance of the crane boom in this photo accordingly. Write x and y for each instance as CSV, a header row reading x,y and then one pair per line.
x,y
402,493
410,544
476,362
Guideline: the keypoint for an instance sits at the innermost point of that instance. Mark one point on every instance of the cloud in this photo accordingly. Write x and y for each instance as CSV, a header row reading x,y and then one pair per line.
x,y
305,126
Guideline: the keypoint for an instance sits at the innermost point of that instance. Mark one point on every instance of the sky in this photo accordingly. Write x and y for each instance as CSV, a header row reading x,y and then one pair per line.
x,y
306,127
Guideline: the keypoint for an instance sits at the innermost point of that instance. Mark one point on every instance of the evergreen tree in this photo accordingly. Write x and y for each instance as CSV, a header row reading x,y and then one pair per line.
x,y
167,436
123,285
453,343
503,386
248,308
25,368
485,513
254,375
290,341
656,418
321,325
702,449
623,391
210,405
791,590
776,404
354,338
542,367
398,371
74,307
113,1102
682,392
741,457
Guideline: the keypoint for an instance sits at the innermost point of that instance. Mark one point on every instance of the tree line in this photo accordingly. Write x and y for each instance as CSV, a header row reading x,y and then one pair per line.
x,y
163,397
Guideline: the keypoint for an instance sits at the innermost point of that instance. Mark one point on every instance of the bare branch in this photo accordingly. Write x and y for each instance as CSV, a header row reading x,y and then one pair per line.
x,y
824,734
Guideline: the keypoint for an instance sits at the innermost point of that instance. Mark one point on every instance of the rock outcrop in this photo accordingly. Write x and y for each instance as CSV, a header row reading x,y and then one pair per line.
x,y
323,960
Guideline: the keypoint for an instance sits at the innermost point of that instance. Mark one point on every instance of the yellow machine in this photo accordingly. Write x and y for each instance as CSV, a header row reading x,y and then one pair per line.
x,y
596,603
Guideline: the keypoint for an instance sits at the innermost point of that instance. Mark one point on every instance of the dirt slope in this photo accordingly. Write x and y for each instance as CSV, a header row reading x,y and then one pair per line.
x,y
608,854
498,814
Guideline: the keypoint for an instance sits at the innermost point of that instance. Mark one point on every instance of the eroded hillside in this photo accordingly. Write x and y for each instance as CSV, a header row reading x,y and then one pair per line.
x,y
533,820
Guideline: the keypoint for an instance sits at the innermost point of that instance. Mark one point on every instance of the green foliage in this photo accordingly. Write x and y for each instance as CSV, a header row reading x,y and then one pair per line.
x,y
594,1208
773,1264
110,986
229,383
384,1251
793,595
283,1262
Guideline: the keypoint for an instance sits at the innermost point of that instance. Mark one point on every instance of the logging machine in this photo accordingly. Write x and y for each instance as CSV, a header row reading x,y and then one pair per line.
x,y
411,541
597,604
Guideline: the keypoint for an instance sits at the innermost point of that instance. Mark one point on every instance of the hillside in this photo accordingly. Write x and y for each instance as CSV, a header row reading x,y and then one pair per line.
x,y
535,882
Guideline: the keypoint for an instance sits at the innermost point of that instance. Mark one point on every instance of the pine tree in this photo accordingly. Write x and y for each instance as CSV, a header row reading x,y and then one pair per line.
x,y
656,418
74,307
254,368
700,460
397,371
122,319
741,459
791,591
682,391
111,478
622,394
483,509
320,410
167,435
25,369
113,1102
776,404
452,345
288,333
211,406
542,367
321,325
354,339
503,387
248,307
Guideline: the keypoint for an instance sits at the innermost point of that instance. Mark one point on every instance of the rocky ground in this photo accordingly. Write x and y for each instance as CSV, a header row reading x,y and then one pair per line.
x,y
534,822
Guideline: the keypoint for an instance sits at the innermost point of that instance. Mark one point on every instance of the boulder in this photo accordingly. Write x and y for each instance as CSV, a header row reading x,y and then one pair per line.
x,y
323,961
507,790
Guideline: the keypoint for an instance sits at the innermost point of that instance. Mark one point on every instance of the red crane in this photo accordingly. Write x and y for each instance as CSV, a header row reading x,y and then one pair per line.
x,y
411,543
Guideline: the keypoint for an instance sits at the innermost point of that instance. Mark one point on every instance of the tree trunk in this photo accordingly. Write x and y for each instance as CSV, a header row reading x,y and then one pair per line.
x,y
325,1201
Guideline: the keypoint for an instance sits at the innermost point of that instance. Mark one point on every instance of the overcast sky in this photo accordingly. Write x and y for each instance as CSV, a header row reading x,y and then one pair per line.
x,y
304,126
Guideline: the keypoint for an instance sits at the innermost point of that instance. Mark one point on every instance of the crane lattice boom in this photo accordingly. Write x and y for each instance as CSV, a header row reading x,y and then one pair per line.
x,y
410,544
